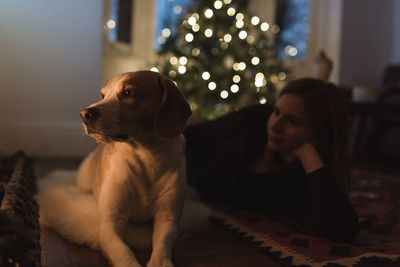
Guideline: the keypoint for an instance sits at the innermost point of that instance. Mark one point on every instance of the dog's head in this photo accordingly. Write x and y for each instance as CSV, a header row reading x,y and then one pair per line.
x,y
136,103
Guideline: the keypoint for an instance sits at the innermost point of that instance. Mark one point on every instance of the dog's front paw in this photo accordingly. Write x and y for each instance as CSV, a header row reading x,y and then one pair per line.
x,y
160,263
133,264
125,264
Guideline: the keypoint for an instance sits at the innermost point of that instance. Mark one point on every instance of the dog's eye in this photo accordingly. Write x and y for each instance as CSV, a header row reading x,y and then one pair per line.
x,y
102,96
127,93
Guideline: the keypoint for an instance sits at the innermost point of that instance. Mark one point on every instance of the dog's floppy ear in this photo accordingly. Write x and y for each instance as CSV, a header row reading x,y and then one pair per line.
x,y
173,111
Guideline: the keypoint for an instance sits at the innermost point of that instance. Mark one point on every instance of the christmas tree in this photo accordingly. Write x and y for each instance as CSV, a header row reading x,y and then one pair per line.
x,y
221,58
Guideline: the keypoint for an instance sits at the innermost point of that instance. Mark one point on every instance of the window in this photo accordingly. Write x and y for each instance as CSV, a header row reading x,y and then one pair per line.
x,y
120,21
293,20
168,14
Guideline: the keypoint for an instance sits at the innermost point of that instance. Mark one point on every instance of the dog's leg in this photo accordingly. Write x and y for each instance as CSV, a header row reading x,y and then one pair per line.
x,y
113,219
114,247
165,232
167,211
89,169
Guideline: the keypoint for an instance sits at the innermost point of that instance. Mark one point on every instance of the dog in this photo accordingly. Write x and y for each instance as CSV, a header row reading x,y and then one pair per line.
x,y
130,190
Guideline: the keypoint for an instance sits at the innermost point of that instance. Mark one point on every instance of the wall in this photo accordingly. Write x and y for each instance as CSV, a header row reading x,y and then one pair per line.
x,y
367,41
138,55
50,53
396,33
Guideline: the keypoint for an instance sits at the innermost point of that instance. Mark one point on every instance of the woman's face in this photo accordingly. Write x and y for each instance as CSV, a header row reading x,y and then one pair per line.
x,y
288,125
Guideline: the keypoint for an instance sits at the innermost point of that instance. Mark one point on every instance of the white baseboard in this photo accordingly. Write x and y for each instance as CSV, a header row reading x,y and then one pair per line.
x,y
45,138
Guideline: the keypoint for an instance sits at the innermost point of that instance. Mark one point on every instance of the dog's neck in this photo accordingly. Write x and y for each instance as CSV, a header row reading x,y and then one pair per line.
x,y
152,143
161,153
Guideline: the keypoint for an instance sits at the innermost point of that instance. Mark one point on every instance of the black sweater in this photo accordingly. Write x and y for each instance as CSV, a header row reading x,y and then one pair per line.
x,y
219,153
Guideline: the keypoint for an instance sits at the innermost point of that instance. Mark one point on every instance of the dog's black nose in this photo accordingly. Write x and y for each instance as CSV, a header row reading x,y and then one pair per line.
x,y
89,114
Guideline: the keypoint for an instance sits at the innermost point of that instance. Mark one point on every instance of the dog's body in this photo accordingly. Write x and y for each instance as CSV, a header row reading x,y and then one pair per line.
x,y
134,182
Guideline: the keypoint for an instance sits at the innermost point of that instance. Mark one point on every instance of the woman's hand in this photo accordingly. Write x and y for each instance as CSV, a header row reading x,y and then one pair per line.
x,y
308,155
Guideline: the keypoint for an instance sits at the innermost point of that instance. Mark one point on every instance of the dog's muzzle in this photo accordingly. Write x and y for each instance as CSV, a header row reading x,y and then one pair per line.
x,y
89,115
91,120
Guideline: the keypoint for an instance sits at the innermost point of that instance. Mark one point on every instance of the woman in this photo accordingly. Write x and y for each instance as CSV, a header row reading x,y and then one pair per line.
x,y
291,159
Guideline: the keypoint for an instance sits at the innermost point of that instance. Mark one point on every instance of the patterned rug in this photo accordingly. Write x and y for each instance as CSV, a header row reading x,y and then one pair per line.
x,y
19,214
376,199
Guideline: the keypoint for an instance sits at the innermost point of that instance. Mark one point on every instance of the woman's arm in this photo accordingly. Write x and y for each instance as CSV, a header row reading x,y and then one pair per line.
x,y
217,151
332,215
214,174
212,133
309,157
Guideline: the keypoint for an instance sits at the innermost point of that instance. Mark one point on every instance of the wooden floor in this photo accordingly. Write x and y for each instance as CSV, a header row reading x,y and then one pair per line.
x,y
207,245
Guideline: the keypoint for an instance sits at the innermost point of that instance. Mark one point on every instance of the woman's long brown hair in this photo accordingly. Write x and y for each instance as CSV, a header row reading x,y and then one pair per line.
x,y
329,118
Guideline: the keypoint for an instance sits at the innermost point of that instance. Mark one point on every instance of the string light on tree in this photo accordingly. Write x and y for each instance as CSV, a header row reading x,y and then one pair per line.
x,y
181,69
217,4
205,75
234,88
242,35
196,16
239,16
173,60
191,21
250,39
282,76
189,37
260,80
208,13
291,50
228,61
255,61
212,86
166,32
195,52
231,11
208,33
264,26
263,100
255,20
178,9
111,24
239,24
274,78
227,37
196,27
172,74
183,60
275,29
224,94
161,40
224,45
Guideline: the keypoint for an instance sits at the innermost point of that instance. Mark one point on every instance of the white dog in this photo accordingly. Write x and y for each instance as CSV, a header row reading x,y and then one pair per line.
x,y
130,191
